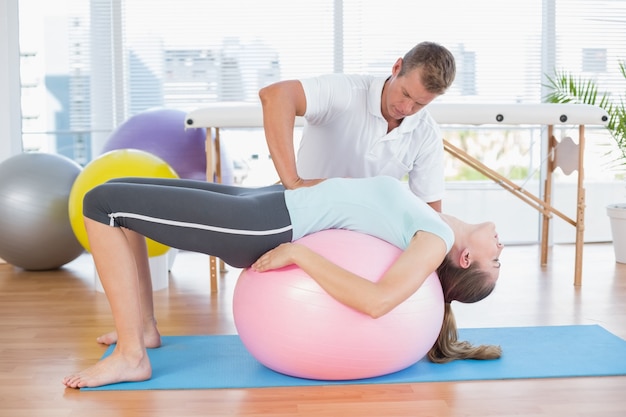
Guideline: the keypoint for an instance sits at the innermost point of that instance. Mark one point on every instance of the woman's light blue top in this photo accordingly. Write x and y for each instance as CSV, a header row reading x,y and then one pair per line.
x,y
383,207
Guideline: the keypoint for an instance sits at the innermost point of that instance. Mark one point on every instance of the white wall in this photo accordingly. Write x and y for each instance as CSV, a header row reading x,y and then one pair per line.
x,y
10,102
519,223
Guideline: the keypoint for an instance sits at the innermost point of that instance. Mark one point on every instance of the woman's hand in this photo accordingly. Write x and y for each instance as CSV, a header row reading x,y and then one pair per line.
x,y
280,256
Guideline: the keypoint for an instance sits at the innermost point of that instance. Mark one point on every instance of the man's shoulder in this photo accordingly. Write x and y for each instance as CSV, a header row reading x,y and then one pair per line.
x,y
358,80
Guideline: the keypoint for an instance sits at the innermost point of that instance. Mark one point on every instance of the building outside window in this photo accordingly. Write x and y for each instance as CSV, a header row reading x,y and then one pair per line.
x,y
88,65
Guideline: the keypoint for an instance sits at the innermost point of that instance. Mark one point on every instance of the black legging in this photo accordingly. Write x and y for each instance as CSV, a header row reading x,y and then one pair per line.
x,y
236,224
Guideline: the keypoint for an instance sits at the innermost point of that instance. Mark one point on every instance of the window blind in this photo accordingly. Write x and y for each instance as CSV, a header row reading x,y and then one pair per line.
x,y
137,54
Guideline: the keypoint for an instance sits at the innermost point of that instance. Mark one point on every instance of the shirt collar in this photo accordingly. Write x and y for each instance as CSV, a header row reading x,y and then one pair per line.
x,y
375,94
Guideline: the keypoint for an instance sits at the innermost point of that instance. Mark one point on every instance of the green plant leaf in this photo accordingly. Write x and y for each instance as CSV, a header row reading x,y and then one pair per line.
x,y
565,87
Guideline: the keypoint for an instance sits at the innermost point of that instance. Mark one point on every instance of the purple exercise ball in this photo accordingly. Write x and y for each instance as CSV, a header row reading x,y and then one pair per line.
x,y
162,132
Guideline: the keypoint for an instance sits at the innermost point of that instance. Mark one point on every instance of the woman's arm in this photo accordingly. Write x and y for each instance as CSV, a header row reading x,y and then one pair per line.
x,y
424,254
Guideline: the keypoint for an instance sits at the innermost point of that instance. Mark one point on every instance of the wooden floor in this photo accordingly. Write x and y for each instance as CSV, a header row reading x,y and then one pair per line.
x,y
49,321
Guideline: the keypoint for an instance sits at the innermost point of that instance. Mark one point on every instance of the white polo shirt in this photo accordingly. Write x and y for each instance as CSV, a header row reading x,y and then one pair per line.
x,y
346,136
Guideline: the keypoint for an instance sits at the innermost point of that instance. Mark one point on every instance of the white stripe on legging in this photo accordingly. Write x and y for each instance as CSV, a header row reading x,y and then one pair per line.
x,y
199,226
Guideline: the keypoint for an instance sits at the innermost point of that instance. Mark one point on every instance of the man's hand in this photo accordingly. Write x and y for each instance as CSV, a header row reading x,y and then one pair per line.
x,y
299,182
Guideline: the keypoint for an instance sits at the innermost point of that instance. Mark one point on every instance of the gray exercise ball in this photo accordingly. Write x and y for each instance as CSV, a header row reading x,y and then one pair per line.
x,y
35,229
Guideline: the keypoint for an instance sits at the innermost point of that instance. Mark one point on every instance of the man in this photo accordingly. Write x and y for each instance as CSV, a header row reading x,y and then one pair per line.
x,y
361,125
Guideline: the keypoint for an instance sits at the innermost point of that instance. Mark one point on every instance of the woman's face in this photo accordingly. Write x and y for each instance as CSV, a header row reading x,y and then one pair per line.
x,y
485,247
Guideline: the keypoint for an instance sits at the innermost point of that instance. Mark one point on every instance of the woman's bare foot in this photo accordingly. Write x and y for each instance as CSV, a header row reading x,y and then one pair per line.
x,y
116,367
151,336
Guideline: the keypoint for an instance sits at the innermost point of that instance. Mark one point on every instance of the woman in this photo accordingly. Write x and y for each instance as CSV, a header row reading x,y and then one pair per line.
x,y
256,228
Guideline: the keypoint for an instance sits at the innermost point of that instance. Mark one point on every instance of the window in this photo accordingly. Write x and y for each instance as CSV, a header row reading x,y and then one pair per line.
x,y
594,60
90,64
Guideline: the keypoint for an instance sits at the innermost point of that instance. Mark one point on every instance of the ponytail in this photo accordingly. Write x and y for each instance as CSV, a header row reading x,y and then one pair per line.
x,y
466,285
448,347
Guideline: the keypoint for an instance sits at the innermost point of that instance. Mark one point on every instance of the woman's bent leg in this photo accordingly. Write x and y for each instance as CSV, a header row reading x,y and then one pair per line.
x,y
152,337
228,225
116,264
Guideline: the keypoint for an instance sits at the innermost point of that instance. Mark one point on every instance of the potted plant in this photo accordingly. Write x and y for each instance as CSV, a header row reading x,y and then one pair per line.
x,y
567,88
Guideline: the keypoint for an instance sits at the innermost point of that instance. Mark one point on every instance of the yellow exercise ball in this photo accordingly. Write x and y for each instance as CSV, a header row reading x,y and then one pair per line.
x,y
115,164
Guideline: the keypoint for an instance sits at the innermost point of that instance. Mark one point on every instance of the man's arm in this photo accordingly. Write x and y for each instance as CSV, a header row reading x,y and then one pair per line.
x,y
282,102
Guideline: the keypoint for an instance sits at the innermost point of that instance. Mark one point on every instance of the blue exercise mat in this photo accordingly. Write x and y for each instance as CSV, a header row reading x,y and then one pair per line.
x,y
221,361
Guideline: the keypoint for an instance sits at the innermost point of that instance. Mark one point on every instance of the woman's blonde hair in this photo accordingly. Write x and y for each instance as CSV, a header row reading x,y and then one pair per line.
x,y
466,285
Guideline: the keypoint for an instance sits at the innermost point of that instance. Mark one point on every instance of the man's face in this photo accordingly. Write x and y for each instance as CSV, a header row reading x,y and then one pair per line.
x,y
405,94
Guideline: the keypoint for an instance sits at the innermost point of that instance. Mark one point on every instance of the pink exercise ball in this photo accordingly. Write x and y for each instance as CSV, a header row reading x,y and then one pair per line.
x,y
292,326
